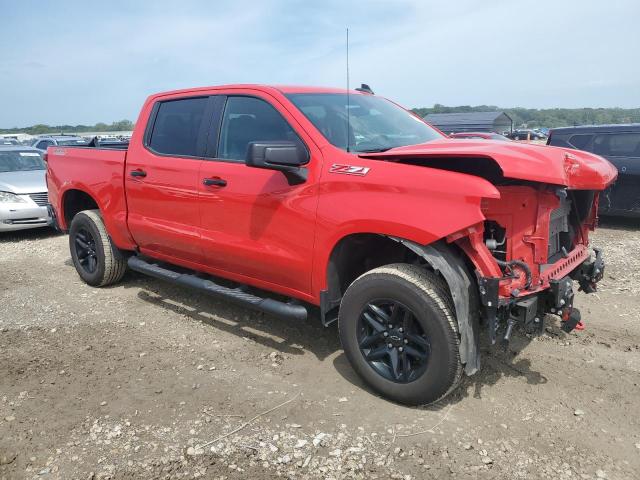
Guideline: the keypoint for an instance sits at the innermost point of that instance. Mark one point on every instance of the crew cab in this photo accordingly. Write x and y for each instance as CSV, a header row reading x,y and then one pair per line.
x,y
300,197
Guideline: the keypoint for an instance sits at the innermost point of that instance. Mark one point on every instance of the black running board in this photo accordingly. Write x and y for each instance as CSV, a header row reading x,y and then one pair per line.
x,y
237,295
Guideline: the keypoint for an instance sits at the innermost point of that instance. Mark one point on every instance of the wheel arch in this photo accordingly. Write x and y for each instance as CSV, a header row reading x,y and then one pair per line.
x,y
78,197
73,201
356,253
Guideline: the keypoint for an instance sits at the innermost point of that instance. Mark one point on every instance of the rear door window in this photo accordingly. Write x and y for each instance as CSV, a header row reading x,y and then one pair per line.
x,y
625,145
617,144
177,127
581,142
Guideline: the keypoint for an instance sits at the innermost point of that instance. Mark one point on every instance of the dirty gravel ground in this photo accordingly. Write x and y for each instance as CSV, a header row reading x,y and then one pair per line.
x,y
131,381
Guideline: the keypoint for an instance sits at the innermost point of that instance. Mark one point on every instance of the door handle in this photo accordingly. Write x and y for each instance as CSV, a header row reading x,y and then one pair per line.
x,y
138,173
217,182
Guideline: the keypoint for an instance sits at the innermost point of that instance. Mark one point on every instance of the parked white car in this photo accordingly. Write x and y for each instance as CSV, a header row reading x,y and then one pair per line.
x,y
23,189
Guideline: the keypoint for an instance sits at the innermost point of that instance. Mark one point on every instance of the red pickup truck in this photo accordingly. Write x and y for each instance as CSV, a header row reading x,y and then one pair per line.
x,y
302,197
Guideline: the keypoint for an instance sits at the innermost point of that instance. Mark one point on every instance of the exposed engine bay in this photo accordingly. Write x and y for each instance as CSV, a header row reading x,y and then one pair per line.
x,y
532,246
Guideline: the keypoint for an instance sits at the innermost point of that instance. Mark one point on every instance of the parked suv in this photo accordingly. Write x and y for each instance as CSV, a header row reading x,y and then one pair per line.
x,y
46,141
620,144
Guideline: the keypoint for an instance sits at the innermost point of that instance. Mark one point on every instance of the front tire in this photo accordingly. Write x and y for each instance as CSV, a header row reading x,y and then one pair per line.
x,y
97,260
399,332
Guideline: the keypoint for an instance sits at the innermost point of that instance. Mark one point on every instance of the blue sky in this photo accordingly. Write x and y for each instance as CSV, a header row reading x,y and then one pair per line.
x,y
70,62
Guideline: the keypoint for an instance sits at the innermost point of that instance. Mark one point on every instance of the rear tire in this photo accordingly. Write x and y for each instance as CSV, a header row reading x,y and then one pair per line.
x,y
411,358
97,260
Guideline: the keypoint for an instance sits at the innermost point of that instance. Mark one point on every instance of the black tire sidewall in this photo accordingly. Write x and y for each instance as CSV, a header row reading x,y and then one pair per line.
x,y
443,359
84,221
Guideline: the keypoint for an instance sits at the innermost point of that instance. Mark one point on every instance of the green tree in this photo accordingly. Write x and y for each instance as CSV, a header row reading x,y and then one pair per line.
x,y
549,117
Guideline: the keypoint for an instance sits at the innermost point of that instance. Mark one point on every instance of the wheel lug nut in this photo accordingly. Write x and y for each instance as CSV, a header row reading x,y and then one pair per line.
x,y
390,326
400,349
390,345
386,334
406,341
401,330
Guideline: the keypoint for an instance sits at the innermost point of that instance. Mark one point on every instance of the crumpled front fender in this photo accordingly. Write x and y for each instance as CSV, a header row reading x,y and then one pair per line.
x,y
464,293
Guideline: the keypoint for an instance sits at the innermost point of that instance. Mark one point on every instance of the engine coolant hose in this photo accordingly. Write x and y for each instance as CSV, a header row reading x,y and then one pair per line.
x,y
511,264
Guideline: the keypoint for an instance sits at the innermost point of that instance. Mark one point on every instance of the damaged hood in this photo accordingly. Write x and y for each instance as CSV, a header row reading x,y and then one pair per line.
x,y
523,161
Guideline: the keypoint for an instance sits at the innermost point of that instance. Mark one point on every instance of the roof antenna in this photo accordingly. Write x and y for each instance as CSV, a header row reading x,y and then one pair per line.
x,y
348,104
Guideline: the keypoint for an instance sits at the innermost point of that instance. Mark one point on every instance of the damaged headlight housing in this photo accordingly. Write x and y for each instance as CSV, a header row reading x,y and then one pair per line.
x,y
8,197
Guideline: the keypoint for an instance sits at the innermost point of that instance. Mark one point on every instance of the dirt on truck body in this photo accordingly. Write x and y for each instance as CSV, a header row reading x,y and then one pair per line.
x,y
283,198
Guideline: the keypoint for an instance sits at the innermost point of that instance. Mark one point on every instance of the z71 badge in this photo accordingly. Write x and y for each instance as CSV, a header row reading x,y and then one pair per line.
x,y
349,169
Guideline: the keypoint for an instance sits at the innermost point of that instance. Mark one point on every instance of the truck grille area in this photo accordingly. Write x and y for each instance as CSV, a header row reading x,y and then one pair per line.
x,y
536,234
41,199
559,231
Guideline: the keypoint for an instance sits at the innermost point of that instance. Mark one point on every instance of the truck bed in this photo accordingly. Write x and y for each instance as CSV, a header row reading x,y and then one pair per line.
x,y
96,171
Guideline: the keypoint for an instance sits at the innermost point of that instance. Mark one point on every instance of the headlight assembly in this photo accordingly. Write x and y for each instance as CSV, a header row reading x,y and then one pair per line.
x,y
8,197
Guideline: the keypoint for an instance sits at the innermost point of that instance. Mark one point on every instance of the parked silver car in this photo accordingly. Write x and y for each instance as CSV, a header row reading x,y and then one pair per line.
x,y
45,141
23,189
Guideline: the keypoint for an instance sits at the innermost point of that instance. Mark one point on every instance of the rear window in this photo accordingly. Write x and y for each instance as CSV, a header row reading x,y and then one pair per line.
x,y
43,144
177,125
20,161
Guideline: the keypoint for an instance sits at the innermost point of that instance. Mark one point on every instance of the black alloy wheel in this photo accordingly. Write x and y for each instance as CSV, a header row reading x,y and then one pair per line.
x,y
392,341
85,246
97,260
399,332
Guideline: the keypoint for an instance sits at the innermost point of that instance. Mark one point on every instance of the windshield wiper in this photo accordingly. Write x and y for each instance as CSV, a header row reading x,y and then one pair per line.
x,y
374,150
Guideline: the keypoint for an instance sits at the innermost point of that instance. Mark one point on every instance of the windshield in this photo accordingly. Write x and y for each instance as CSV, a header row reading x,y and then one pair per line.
x,y
375,124
73,141
16,161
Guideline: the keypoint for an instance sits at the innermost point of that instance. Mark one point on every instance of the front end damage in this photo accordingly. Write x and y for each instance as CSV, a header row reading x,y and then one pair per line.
x,y
532,247
528,255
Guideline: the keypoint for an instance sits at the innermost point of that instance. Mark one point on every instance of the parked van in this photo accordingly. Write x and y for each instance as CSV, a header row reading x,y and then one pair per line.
x,y
620,144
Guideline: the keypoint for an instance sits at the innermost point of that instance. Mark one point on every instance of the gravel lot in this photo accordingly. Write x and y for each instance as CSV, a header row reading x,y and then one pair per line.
x,y
147,380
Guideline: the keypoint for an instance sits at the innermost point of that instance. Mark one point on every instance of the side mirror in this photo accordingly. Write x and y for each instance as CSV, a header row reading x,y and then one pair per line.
x,y
286,157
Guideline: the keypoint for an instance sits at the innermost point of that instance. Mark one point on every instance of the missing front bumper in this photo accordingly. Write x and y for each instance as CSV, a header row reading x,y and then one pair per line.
x,y
590,272
503,315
